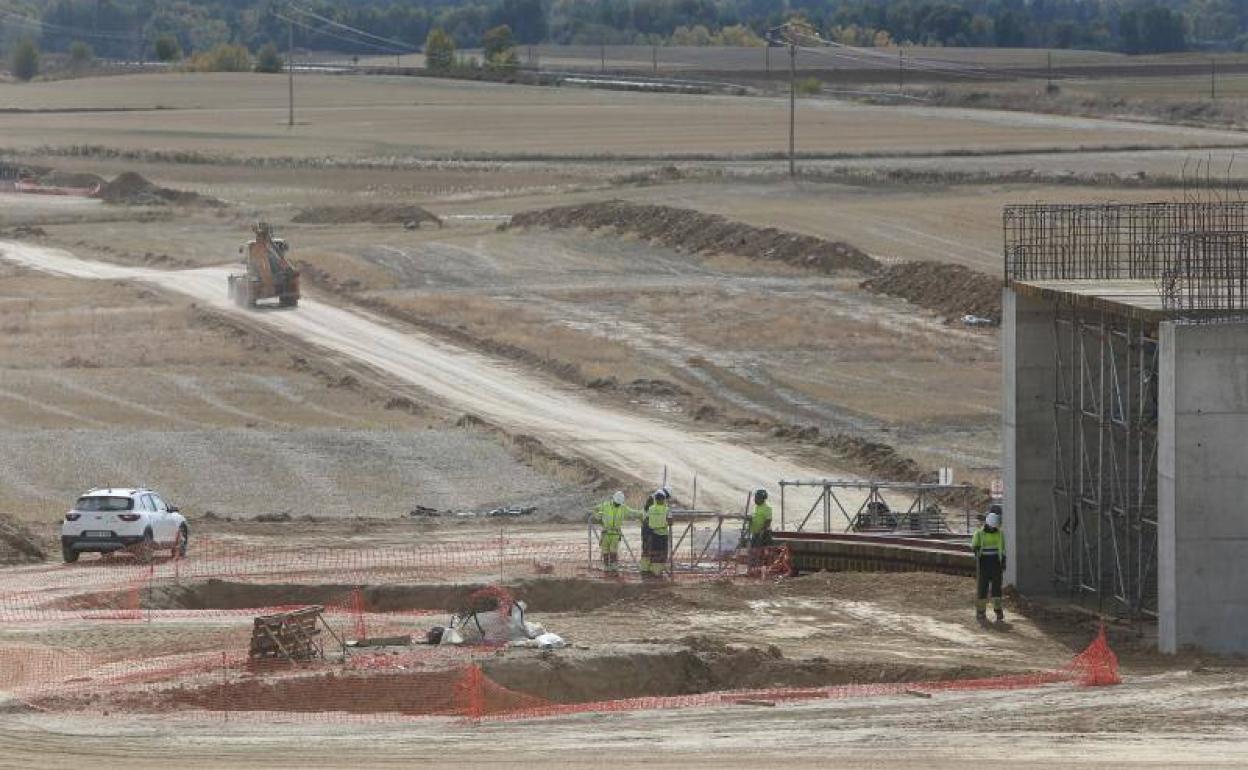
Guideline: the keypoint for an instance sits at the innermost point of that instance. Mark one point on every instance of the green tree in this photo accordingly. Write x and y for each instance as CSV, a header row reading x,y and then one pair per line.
x,y
268,59
167,48
497,40
80,55
439,51
500,49
25,62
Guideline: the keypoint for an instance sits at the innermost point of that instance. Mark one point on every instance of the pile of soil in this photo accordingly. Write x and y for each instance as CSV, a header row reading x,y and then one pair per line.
x,y
411,217
699,233
17,544
952,290
131,189
872,456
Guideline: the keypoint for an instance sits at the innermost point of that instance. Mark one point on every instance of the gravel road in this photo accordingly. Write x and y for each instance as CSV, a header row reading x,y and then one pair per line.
x,y
627,444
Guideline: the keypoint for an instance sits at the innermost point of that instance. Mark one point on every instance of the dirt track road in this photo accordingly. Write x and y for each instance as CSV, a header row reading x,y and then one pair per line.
x,y
630,445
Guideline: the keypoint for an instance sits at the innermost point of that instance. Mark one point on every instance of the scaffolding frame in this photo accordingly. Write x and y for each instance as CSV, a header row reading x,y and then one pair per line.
x,y
1104,511
920,513
684,555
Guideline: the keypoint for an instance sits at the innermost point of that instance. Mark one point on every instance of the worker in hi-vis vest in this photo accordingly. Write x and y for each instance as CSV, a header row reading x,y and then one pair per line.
x,y
760,528
612,514
988,544
654,558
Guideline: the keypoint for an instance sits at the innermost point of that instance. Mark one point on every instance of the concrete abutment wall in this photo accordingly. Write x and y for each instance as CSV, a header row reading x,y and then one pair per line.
x,y
1029,384
1202,485
1202,471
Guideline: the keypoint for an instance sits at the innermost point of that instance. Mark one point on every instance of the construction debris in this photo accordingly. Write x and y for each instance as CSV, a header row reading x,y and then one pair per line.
x,y
291,636
493,616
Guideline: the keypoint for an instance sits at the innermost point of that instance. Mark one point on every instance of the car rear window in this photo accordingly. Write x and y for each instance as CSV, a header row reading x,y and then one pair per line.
x,y
96,503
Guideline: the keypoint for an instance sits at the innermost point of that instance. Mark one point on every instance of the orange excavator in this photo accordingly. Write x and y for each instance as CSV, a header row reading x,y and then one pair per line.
x,y
270,275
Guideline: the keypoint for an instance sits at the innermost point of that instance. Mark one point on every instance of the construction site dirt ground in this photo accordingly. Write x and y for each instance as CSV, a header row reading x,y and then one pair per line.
x,y
454,369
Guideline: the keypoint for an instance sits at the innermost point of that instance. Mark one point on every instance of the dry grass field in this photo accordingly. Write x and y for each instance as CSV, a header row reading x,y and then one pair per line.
x,y
596,360
340,117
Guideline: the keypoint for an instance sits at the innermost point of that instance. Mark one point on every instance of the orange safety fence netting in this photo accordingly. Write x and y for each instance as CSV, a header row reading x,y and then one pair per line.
x,y
438,681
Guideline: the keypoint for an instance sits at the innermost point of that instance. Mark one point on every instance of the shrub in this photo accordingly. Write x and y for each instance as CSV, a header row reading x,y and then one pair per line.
x,y
223,58
439,51
809,86
25,62
167,48
268,60
80,54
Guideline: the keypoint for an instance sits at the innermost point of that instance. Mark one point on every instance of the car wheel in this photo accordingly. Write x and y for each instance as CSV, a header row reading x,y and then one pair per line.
x,y
69,554
179,547
146,549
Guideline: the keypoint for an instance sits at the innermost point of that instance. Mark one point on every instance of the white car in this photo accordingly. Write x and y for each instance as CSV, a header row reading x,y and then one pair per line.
x,y
113,519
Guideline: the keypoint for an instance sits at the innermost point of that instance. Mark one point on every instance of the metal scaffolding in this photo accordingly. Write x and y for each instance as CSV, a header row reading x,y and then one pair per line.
x,y
699,543
883,506
1105,494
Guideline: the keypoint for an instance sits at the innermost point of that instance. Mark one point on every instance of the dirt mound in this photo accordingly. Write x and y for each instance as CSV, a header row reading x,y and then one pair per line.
x,y
17,543
411,217
952,290
706,666
131,189
699,233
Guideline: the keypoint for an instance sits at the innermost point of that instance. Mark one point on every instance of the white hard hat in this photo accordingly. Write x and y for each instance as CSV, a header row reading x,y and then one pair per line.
x,y
993,520
618,498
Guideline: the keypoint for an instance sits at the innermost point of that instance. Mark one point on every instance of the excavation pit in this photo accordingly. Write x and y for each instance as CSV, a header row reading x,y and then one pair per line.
x,y
553,595
515,683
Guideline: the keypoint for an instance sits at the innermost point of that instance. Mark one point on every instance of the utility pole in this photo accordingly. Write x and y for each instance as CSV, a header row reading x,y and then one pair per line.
x,y
901,69
654,57
1213,79
602,52
1049,84
290,70
792,106
768,59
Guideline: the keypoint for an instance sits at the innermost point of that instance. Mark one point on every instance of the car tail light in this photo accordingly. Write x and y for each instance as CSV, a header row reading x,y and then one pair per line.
x,y
73,516
129,517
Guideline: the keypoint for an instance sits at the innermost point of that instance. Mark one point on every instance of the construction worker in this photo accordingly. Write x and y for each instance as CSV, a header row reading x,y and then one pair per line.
x,y
655,557
988,544
760,527
612,514
645,534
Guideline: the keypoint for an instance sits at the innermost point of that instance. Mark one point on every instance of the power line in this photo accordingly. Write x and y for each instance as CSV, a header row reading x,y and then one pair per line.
x,y
405,46
323,31
60,28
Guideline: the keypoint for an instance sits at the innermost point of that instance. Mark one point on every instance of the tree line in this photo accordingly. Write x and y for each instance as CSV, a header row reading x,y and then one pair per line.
x,y
133,28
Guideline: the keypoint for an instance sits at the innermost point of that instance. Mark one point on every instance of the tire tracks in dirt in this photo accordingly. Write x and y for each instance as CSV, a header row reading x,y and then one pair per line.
x,y
628,445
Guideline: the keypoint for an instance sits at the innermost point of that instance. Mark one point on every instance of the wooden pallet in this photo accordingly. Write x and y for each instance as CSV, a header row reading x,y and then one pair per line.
x,y
293,636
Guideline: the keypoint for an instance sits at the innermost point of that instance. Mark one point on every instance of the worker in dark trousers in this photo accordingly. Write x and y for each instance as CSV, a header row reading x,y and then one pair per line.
x,y
656,517
646,535
988,544
760,528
